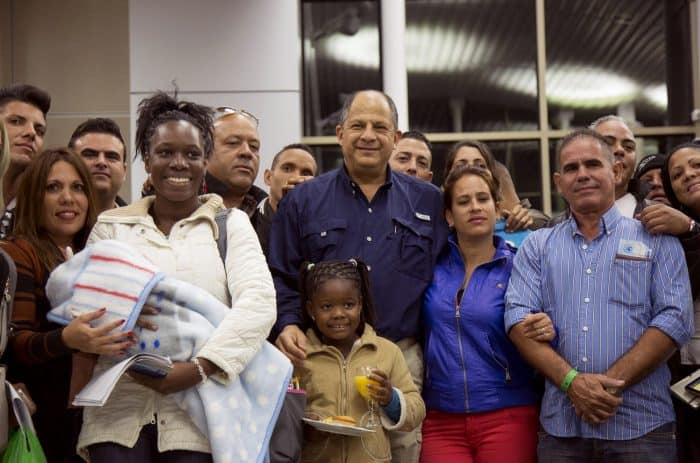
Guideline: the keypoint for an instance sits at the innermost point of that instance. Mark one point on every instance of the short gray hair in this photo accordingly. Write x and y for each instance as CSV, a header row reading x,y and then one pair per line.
x,y
350,99
584,133
607,118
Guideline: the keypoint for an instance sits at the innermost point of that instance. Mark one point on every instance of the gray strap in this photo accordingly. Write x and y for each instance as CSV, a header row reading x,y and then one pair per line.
x,y
221,217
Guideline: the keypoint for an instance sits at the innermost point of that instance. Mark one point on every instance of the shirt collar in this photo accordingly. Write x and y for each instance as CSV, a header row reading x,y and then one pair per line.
x,y
503,251
608,222
345,176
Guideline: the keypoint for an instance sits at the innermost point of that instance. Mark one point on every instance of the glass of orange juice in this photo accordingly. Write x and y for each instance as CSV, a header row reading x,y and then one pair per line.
x,y
362,380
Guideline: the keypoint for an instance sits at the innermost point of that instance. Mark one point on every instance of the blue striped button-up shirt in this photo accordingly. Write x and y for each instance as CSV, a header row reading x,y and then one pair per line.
x,y
602,296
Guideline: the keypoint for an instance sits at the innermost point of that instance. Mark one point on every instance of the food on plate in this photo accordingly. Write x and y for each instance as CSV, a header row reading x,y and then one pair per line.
x,y
341,419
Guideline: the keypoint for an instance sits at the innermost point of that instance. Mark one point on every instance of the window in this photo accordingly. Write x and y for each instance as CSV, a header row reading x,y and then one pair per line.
x,y
472,70
341,55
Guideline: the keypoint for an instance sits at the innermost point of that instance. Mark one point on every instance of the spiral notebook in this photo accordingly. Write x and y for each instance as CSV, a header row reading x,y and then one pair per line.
x,y
98,390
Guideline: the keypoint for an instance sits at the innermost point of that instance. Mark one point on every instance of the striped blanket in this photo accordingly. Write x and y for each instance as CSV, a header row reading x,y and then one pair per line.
x,y
113,275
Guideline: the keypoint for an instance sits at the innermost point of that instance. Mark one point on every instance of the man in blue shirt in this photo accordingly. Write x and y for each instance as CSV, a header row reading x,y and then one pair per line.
x,y
620,299
391,221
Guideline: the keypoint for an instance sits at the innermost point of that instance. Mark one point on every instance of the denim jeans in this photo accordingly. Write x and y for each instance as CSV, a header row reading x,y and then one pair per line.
x,y
658,446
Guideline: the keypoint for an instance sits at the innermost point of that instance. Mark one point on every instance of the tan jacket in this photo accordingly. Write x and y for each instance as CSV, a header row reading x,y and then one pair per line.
x,y
328,378
189,253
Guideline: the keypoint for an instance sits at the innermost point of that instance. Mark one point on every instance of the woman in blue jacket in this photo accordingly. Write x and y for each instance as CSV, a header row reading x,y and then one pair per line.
x,y
482,398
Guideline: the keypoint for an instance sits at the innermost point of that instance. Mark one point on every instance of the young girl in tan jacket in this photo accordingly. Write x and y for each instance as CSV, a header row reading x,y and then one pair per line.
x,y
339,311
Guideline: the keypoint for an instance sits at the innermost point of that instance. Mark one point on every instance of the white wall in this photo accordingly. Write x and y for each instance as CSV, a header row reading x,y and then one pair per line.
x,y
240,53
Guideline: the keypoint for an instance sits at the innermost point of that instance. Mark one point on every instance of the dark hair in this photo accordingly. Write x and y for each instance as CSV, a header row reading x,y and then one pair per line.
x,y
292,146
311,276
26,94
161,108
480,146
30,204
463,171
98,125
666,178
583,133
345,110
416,135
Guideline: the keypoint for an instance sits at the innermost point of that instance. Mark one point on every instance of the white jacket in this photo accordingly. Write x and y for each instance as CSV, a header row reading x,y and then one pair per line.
x,y
189,253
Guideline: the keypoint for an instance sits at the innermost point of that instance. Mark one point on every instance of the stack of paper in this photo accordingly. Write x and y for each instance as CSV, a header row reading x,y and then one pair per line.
x,y
98,390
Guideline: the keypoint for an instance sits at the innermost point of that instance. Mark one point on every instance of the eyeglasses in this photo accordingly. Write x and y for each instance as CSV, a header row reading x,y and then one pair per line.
x,y
223,111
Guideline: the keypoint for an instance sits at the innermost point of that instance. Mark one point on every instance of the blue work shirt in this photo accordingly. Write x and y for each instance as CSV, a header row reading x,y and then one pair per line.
x,y
398,235
602,296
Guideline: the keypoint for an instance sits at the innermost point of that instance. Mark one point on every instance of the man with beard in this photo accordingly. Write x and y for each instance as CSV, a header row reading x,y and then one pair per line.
x,y
101,145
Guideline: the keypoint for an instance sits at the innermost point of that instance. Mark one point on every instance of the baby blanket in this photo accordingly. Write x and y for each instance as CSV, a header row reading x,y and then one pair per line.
x,y
237,417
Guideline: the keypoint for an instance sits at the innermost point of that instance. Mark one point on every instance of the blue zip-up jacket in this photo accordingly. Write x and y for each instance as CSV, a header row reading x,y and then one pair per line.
x,y
470,363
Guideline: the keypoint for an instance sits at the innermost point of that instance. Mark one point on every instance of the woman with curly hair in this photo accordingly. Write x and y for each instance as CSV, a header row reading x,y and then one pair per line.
x,y
175,229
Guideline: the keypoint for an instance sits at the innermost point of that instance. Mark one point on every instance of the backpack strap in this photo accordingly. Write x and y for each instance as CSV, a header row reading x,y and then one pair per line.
x,y
220,218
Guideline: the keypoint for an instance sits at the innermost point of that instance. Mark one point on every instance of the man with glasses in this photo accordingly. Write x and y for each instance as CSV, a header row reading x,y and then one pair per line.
x,y
234,164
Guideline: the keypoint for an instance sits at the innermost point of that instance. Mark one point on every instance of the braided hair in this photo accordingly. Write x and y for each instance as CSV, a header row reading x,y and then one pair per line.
x,y
161,108
312,276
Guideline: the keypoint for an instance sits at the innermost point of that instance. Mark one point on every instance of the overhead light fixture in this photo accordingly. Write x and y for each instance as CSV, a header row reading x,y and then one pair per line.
x,y
657,95
576,86
428,50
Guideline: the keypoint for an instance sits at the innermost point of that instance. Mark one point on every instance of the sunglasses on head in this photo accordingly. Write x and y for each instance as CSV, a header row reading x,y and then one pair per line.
x,y
223,111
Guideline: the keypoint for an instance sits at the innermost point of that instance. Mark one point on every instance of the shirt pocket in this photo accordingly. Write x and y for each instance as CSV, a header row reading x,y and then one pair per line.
x,y
321,237
415,248
630,285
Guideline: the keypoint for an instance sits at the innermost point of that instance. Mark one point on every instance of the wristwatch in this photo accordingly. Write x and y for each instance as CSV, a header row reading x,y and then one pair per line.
x,y
694,227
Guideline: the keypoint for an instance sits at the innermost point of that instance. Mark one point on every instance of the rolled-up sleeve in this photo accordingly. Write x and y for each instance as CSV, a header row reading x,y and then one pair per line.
x,y
672,305
524,295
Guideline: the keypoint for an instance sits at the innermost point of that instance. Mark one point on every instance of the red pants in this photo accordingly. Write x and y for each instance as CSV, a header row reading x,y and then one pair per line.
x,y
501,436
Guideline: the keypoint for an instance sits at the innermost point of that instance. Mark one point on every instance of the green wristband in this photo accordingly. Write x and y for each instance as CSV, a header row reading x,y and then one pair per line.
x,y
568,379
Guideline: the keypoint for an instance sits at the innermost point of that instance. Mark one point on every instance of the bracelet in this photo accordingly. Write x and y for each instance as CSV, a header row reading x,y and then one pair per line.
x,y
200,370
568,379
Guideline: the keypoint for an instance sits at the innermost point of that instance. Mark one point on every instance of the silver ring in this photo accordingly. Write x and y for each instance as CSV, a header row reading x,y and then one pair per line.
x,y
543,331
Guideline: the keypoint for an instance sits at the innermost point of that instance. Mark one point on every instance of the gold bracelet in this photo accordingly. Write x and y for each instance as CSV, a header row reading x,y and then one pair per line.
x,y
200,370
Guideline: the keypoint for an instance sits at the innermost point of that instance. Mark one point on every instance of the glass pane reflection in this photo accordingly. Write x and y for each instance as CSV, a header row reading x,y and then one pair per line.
x,y
341,55
471,65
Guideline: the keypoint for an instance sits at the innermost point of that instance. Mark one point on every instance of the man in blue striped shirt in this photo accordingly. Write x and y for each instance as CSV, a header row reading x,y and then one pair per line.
x,y
620,299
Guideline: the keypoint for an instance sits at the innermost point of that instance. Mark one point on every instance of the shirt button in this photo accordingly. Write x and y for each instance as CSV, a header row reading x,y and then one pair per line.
x,y
369,268
589,271
369,210
584,247
585,328
584,359
586,299
369,238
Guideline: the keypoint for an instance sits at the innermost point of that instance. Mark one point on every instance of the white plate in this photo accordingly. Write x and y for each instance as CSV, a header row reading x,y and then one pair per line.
x,y
335,428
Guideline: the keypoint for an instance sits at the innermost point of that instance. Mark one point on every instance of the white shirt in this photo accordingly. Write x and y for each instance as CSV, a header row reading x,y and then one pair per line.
x,y
626,205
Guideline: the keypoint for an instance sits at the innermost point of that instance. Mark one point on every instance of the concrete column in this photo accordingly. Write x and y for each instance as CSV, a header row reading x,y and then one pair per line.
x,y
393,33
234,53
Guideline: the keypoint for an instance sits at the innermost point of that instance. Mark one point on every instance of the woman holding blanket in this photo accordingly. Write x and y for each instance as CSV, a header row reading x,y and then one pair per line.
x,y
176,231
